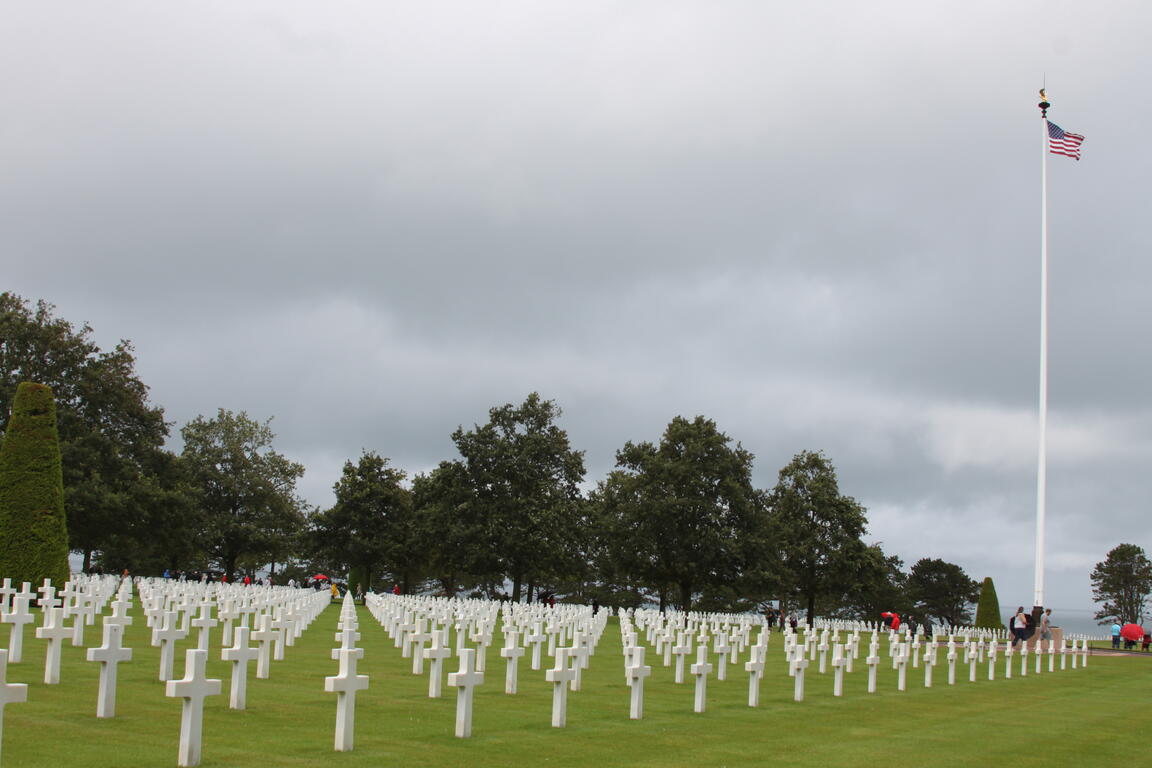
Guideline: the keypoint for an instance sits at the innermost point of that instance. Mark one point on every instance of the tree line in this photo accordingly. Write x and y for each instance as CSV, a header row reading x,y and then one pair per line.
x,y
677,521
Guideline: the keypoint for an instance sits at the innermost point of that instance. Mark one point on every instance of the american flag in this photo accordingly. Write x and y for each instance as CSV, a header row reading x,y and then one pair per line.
x,y
1061,143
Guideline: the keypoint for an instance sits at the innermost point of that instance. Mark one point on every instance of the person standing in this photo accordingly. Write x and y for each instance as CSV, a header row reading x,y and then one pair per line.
x,y
1116,634
1046,626
1018,626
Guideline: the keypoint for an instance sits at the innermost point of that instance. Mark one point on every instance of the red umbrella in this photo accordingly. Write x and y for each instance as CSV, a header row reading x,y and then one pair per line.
x,y
1133,632
320,576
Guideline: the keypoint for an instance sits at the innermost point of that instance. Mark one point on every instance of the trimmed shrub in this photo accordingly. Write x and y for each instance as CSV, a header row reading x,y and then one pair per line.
x,y
988,609
33,531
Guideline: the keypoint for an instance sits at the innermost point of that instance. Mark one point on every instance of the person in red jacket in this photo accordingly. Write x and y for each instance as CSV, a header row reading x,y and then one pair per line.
x,y
891,620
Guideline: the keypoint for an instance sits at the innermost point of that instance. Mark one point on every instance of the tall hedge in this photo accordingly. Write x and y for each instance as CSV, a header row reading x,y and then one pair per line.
x,y
33,531
988,609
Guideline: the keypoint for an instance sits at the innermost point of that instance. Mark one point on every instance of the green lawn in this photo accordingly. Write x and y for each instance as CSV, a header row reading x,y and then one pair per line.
x,y
1093,716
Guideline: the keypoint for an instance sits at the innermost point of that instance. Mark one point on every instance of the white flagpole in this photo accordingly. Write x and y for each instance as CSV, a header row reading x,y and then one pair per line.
x,y
1042,463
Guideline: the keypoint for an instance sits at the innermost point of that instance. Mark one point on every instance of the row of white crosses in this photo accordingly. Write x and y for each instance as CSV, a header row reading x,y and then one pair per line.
x,y
281,614
674,634
567,633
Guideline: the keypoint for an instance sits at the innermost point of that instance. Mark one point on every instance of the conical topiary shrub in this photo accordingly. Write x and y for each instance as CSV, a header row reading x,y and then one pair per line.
x,y
33,531
988,609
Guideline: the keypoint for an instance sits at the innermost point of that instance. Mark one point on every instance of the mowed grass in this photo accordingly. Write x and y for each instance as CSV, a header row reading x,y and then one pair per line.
x,y
1094,716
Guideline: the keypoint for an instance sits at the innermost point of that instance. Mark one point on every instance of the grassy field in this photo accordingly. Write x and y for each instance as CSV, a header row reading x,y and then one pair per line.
x,y
1094,716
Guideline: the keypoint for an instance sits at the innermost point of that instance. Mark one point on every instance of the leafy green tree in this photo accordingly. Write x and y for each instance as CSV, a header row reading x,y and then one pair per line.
x,y
1122,582
988,607
942,590
524,482
449,527
33,530
874,583
370,527
684,515
110,435
244,489
820,529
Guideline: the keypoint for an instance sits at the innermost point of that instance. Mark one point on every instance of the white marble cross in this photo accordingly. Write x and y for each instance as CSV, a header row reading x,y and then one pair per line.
x,y
799,664
872,661
512,652
637,671
1023,658
755,669
193,689
18,617
416,642
535,639
1009,651
682,648
722,647
239,654
838,664
10,693
972,656
55,633
436,654
266,636
1038,652
465,681
166,637
700,670
204,623
345,685
6,592
579,654
929,663
119,613
109,655
560,676
901,665
992,646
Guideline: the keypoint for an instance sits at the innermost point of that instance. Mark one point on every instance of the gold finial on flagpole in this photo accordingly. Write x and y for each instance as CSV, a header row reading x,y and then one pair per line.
x,y
1043,103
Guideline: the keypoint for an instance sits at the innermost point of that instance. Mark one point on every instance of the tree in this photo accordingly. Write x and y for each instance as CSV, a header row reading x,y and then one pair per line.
x,y
874,583
820,529
33,531
448,527
1122,583
988,607
524,482
942,590
244,489
369,528
684,515
110,435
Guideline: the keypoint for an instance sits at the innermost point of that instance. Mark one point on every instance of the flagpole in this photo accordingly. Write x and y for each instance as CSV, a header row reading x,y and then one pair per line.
x,y
1042,463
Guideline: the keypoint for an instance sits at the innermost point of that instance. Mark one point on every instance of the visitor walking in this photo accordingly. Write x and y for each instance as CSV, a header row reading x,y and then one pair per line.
x,y
1116,635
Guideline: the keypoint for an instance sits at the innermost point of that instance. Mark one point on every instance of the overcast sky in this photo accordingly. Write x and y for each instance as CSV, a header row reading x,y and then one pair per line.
x,y
817,224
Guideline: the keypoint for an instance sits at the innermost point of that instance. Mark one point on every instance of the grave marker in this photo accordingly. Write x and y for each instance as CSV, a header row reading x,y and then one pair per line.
x,y
637,671
55,633
701,670
559,676
345,684
239,654
193,689
110,654
465,681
